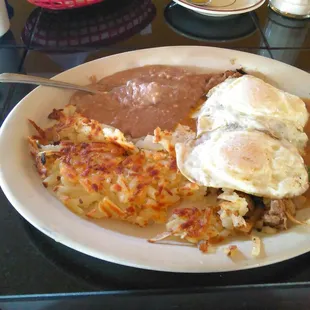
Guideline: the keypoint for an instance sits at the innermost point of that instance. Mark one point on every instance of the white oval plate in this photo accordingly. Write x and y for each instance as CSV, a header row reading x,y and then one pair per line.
x,y
217,8
120,242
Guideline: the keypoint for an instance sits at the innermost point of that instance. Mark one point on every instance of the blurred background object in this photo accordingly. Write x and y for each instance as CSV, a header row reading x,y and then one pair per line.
x,y
207,28
221,8
4,19
288,33
10,9
10,61
299,9
63,4
63,34
98,25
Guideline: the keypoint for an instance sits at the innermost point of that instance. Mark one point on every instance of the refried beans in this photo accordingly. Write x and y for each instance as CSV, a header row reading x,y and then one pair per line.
x,y
143,98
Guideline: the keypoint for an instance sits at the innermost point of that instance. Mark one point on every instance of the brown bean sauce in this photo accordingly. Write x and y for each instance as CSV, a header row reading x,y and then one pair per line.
x,y
141,99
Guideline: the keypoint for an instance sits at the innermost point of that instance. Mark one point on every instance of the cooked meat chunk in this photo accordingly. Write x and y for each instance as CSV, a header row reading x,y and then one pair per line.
x,y
275,216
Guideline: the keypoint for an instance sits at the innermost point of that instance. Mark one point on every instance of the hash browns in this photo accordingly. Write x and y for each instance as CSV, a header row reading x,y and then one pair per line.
x,y
198,226
97,173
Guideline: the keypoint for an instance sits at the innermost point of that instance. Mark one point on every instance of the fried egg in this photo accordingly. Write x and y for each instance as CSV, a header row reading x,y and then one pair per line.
x,y
250,103
244,160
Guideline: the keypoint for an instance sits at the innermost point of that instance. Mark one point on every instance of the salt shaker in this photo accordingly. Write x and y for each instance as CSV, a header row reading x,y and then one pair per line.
x,y
4,19
298,9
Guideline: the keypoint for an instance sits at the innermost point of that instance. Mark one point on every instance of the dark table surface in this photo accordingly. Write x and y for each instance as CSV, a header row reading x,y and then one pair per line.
x,y
44,43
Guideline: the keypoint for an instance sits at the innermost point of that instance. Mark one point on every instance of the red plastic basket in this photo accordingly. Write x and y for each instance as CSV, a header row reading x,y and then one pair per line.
x,y
63,4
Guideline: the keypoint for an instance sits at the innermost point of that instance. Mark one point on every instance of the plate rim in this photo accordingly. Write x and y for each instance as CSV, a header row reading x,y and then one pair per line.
x,y
73,244
219,12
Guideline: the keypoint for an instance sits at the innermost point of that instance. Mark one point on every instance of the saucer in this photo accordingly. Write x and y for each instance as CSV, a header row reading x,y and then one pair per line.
x,y
206,28
219,8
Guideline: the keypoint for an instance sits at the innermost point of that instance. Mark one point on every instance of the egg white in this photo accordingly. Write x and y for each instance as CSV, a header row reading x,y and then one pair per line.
x,y
250,103
244,160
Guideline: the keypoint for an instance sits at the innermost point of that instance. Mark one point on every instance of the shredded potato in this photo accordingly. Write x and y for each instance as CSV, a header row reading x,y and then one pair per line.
x,y
256,249
199,226
168,139
231,250
293,219
97,173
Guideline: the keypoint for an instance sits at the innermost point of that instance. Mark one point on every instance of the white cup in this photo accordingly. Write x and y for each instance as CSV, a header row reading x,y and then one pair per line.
x,y
291,8
4,19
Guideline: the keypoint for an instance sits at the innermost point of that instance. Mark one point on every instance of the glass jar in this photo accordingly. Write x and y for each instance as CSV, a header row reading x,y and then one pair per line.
x,y
299,9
